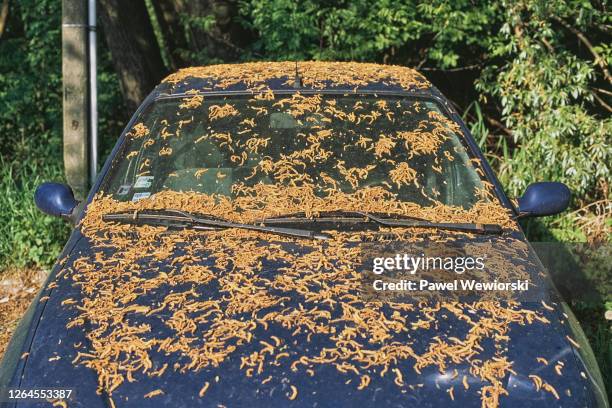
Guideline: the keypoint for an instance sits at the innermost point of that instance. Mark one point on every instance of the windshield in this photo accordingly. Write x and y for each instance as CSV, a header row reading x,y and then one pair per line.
x,y
223,146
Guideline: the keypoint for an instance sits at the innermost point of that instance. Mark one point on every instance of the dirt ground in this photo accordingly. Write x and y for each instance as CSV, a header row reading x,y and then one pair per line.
x,y
17,289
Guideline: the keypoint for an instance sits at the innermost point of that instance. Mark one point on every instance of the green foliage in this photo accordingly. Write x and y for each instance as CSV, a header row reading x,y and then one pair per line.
x,y
26,237
546,97
30,142
30,103
368,30
193,25
31,126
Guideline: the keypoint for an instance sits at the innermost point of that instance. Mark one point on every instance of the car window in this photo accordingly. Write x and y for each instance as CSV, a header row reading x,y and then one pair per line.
x,y
221,145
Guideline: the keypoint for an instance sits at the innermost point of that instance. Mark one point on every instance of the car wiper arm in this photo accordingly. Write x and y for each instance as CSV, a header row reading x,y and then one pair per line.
x,y
458,226
405,221
182,219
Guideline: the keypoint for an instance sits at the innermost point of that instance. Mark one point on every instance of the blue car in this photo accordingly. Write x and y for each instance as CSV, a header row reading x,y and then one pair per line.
x,y
261,235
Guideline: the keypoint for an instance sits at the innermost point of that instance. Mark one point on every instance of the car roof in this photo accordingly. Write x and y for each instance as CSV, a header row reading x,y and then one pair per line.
x,y
281,76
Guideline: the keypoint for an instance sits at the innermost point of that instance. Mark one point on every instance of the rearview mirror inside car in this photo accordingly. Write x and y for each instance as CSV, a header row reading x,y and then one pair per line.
x,y
544,198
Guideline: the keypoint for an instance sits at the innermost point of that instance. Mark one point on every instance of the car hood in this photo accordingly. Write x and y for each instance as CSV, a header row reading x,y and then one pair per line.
x,y
218,319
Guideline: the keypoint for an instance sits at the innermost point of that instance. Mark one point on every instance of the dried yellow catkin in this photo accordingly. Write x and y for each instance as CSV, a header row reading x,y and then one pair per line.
x,y
294,393
154,393
204,389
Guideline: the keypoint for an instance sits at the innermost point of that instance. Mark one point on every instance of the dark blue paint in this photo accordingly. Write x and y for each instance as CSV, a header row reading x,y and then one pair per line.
x,y
55,199
545,198
53,339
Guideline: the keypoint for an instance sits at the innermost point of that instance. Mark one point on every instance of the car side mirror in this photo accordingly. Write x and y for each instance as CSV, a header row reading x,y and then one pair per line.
x,y
545,198
55,199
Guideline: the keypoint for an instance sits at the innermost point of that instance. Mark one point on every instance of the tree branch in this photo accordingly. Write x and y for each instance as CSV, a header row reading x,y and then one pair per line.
x,y
598,59
465,68
547,45
492,121
603,91
601,102
498,125
422,62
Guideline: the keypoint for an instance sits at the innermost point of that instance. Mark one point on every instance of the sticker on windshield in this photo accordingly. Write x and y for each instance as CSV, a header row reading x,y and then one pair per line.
x,y
124,189
143,182
140,196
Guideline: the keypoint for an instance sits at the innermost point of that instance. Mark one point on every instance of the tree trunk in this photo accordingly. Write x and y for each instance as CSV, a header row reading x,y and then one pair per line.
x,y
190,43
133,47
168,15
4,8
225,40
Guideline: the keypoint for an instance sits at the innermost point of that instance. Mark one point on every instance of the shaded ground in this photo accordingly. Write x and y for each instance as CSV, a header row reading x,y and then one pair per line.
x,y
17,289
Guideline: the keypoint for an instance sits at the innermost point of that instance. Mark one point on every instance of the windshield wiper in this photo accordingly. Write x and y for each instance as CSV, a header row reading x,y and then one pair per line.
x,y
182,219
354,217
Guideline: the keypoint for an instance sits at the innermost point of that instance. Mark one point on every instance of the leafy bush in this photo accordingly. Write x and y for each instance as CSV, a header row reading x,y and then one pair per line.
x,y
27,237
30,82
369,30
30,138
31,129
546,94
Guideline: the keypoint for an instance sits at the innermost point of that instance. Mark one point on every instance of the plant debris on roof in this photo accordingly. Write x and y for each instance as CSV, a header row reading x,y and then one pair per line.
x,y
314,74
